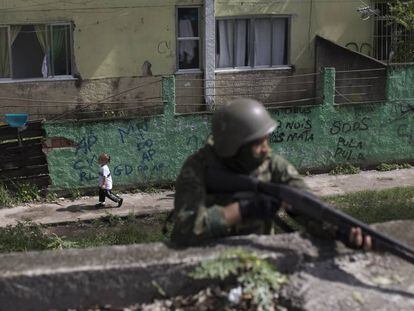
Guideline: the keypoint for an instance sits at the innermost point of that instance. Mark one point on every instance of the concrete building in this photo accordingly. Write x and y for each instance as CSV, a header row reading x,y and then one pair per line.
x,y
58,56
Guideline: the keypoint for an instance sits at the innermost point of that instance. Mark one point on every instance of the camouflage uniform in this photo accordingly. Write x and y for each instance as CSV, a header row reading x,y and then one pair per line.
x,y
199,215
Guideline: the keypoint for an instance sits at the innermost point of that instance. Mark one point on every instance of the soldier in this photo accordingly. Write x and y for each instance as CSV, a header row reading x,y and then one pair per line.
x,y
239,142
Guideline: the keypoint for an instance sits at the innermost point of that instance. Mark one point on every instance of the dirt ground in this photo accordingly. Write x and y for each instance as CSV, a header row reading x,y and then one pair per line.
x,y
65,211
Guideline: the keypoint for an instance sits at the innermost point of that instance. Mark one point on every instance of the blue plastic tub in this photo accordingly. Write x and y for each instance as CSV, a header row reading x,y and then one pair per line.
x,y
16,119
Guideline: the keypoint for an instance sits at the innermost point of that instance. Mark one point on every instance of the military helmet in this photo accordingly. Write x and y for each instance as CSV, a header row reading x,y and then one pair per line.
x,y
239,122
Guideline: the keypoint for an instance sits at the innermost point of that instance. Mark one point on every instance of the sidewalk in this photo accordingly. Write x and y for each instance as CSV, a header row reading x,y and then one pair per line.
x,y
65,210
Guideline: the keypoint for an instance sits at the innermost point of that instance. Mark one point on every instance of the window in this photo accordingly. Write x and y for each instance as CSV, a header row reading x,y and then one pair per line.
x,y
252,42
35,51
188,38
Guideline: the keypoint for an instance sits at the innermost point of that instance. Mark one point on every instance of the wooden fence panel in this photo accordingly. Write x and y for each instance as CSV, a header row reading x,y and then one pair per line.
x,y
22,159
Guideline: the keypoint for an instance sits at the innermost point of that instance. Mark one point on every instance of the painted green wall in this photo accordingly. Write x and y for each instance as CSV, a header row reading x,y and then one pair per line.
x,y
153,149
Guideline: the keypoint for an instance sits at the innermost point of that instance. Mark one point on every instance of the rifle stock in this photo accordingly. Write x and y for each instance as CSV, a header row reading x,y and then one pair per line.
x,y
306,204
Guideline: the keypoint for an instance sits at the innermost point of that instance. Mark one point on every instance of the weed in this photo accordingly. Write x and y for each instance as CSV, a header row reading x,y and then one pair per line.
x,y
26,236
57,242
75,194
51,196
27,193
345,169
112,219
256,276
6,198
392,166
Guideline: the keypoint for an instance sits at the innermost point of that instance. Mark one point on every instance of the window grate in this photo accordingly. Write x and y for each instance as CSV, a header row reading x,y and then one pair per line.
x,y
392,43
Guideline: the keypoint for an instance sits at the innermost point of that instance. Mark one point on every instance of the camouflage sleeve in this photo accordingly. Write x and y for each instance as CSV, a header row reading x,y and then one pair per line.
x,y
284,172
194,222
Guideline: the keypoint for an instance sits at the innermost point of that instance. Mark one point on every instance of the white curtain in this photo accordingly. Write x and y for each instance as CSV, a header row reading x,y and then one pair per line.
x,y
241,43
233,43
262,42
186,47
279,41
225,55
42,33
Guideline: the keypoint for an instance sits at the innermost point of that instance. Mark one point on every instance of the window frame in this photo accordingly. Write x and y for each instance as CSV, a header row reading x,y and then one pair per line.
x,y
10,50
50,77
251,19
178,39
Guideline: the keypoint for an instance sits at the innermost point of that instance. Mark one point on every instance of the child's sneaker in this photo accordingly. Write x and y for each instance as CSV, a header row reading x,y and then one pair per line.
x,y
120,202
100,204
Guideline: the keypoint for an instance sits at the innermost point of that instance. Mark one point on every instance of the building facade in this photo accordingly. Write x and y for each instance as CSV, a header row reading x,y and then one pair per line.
x,y
58,57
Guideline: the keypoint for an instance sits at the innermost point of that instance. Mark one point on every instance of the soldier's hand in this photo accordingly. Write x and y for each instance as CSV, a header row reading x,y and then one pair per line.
x,y
261,206
358,240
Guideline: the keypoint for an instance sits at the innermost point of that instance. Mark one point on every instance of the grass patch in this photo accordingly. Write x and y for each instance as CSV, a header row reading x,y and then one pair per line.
x,y
377,206
383,167
110,230
26,236
114,230
345,169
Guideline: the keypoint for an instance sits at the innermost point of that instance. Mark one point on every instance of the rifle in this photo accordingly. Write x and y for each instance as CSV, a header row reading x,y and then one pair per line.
x,y
306,204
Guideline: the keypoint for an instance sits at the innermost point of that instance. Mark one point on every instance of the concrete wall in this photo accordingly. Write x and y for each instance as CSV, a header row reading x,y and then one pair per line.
x,y
121,276
49,99
113,41
318,137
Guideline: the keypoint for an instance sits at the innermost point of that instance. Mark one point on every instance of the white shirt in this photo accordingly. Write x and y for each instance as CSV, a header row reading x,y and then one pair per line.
x,y
104,172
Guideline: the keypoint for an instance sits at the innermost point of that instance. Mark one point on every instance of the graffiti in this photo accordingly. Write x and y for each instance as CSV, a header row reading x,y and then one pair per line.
x,y
130,169
364,47
83,165
276,137
306,124
164,47
146,144
123,169
143,169
406,131
85,144
403,110
83,168
293,130
195,142
134,130
349,149
340,127
293,110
